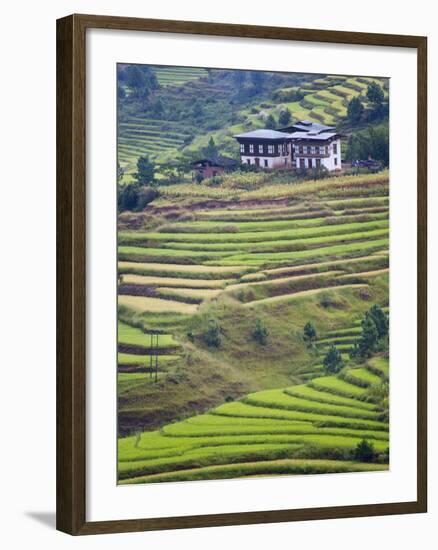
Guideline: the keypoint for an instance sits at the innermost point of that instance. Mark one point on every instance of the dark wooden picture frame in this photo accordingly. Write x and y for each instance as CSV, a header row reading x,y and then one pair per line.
x,y
71,271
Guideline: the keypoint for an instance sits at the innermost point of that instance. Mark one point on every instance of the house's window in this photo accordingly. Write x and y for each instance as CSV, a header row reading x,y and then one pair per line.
x,y
279,150
248,161
266,163
302,165
251,148
309,163
316,150
318,163
335,148
261,149
336,161
301,149
271,150
242,148
305,149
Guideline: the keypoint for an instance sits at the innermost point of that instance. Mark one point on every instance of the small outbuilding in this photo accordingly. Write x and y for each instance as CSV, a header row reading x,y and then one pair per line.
x,y
210,167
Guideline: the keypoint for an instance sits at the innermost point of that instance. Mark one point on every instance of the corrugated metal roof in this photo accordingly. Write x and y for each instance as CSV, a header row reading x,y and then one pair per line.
x,y
313,136
264,134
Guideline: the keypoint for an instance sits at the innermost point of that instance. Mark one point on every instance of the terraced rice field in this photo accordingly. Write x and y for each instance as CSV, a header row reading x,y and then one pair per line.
x,y
266,409
266,433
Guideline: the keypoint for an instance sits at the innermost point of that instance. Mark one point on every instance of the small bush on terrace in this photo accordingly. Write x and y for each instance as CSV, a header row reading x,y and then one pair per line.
x,y
212,335
260,333
364,452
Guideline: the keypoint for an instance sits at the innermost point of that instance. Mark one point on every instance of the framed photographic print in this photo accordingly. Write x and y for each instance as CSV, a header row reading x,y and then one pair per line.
x,y
241,274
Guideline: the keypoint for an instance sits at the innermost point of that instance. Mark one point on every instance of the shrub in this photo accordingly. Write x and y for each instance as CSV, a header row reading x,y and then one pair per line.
x,y
212,335
364,452
260,333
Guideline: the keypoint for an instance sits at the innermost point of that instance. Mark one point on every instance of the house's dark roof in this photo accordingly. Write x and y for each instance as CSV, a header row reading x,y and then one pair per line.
x,y
307,126
263,134
220,160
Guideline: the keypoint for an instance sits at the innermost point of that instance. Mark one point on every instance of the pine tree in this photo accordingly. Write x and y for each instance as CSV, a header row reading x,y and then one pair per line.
x,y
369,338
355,109
309,332
333,361
380,320
211,151
145,171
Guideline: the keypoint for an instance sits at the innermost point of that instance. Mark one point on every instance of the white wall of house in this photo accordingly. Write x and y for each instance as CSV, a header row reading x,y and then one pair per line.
x,y
332,162
268,162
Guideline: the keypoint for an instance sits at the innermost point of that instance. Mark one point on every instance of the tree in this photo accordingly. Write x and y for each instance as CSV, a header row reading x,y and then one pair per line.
x,y
309,332
136,80
145,171
380,320
211,151
369,337
257,79
270,122
285,117
333,361
375,93
212,335
197,110
238,78
355,110
364,451
260,333
134,197
128,197
121,94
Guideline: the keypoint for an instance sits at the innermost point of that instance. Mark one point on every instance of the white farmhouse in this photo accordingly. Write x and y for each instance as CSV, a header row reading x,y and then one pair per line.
x,y
304,145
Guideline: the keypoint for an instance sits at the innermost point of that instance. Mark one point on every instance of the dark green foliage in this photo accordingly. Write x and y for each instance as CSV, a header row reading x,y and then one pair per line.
x,y
120,172
309,332
121,94
134,197
197,109
260,333
364,452
211,151
257,79
212,335
271,122
333,361
380,320
355,110
285,117
375,93
368,341
371,143
135,79
145,171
